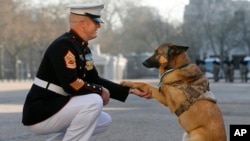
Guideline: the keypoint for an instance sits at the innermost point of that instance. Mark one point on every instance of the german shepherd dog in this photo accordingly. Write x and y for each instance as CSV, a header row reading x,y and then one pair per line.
x,y
185,90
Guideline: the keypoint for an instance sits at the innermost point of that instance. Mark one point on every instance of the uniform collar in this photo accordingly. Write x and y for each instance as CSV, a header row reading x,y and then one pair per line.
x,y
75,36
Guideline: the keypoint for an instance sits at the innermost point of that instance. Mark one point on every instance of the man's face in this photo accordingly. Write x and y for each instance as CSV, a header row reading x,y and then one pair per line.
x,y
90,28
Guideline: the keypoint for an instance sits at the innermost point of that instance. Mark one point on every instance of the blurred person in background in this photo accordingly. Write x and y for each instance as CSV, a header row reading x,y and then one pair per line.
x,y
243,71
226,70
231,71
216,71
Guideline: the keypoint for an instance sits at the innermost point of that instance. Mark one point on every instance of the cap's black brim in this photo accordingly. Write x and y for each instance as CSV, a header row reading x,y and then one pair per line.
x,y
98,20
95,18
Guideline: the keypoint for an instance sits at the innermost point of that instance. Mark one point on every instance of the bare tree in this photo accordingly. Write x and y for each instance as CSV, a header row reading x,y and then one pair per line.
x,y
13,35
214,27
46,25
242,30
246,34
27,33
5,13
134,29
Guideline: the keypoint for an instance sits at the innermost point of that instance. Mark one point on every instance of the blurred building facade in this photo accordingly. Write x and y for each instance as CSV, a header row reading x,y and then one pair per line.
x,y
108,66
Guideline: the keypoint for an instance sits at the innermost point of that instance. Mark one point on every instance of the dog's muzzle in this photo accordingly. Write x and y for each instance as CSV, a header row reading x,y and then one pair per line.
x,y
149,63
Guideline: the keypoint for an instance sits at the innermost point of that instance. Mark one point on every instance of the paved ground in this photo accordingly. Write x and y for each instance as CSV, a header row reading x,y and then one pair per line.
x,y
135,120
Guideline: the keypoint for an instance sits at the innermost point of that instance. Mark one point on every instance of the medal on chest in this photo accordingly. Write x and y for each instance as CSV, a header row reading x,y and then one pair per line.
x,y
89,62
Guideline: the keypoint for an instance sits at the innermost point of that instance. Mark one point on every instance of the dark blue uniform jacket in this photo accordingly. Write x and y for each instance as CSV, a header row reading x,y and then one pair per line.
x,y
67,63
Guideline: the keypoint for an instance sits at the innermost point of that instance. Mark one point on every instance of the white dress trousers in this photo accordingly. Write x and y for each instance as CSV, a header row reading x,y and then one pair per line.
x,y
81,119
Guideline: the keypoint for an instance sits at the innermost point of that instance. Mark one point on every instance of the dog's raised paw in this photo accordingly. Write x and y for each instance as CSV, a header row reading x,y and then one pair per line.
x,y
126,83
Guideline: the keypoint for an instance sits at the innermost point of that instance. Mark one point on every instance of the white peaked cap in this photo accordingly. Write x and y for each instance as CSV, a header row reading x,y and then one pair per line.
x,y
91,10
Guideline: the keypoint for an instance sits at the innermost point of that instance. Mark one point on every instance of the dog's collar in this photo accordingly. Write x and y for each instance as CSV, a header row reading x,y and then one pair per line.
x,y
170,70
165,73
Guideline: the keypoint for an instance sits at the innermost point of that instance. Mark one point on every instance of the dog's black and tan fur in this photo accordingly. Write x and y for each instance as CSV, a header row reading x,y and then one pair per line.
x,y
185,90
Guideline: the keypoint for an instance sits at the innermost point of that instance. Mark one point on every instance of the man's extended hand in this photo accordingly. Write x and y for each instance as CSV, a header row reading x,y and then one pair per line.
x,y
146,94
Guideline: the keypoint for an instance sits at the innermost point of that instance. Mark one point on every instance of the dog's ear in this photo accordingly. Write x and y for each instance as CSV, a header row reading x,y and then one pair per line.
x,y
176,49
